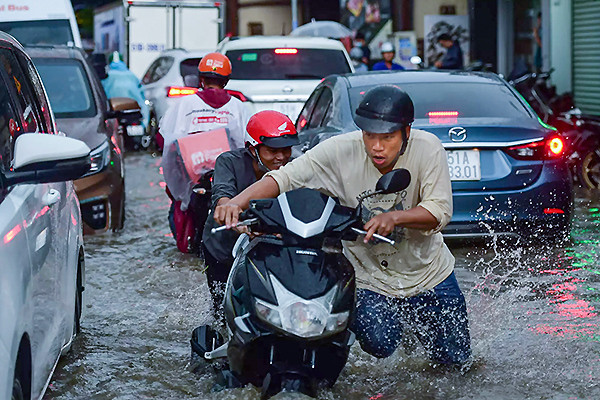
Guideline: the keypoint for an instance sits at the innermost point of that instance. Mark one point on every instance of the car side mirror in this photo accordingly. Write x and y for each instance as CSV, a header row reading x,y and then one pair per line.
x,y
44,158
99,64
394,181
191,81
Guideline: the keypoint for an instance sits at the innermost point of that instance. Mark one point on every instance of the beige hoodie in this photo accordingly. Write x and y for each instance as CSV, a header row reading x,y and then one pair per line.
x,y
340,167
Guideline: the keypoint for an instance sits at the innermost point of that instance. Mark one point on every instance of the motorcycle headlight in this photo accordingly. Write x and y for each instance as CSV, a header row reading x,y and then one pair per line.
x,y
301,317
100,158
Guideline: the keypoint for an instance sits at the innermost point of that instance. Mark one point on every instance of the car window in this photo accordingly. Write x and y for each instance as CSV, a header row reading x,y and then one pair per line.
x,y
10,124
56,31
68,87
320,108
158,69
189,66
19,84
328,115
46,119
286,63
461,100
304,117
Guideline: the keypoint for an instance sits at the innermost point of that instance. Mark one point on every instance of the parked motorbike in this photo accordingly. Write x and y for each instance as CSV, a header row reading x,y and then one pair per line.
x,y
290,296
581,131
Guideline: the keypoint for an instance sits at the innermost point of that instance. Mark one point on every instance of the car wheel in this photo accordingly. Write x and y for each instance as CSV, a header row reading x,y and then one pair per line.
x,y
17,390
78,302
589,171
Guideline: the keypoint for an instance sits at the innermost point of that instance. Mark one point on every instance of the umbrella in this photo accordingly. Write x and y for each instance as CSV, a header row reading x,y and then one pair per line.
x,y
329,29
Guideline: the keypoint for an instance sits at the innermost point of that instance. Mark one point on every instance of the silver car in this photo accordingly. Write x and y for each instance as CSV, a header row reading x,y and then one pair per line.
x,y
41,244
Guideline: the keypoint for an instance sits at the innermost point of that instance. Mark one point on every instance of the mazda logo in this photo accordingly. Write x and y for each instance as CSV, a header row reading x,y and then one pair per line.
x,y
457,134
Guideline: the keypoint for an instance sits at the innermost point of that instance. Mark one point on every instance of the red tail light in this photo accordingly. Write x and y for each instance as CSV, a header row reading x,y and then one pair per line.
x,y
286,51
237,94
553,211
180,91
541,150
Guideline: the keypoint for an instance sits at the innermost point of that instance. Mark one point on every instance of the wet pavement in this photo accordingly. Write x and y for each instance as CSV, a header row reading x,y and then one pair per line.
x,y
534,318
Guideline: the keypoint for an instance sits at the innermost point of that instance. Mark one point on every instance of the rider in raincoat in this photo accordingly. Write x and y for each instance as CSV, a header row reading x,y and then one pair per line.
x,y
121,82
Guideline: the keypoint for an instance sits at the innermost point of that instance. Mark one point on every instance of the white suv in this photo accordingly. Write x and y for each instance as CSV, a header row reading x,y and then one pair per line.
x,y
280,72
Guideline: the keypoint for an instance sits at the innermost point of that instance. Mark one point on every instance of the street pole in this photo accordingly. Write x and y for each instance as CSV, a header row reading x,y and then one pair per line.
x,y
294,14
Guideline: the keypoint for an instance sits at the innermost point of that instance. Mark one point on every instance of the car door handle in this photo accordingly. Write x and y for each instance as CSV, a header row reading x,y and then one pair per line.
x,y
51,198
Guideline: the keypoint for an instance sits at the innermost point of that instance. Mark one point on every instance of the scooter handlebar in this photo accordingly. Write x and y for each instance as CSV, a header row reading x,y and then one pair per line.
x,y
241,223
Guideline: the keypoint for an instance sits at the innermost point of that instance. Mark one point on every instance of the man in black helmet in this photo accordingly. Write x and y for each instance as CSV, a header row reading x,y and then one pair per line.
x,y
409,285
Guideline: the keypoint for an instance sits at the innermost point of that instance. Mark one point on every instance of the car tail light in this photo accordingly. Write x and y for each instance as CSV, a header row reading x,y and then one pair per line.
x,y
553,211
180,91
541,150
237,94
286,51
443,117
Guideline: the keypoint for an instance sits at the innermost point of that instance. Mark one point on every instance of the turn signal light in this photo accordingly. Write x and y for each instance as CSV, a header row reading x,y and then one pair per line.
x,y
180,91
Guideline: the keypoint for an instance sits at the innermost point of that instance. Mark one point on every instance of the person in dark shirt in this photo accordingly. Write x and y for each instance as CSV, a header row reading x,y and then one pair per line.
x,y
453,59
270,136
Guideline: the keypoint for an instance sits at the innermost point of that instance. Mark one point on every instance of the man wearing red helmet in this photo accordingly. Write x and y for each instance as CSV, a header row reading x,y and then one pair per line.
x,y
270,136
210,108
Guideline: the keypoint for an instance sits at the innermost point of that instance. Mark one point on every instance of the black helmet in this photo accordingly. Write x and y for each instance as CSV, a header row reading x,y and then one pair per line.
x,y
384,109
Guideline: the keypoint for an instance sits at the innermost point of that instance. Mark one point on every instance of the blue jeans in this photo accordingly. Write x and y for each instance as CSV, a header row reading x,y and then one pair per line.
x,y
438,318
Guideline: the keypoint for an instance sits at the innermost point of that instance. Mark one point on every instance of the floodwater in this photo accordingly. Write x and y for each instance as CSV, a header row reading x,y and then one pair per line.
x,y
534,318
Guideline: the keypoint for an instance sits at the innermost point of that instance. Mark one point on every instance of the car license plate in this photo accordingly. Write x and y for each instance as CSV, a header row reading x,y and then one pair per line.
x,y
464,165
135,130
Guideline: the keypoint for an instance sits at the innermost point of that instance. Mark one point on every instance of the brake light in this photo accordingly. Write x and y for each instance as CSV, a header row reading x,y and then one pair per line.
x,y
237,94
286,51
553,211
443,117
549,149
180,91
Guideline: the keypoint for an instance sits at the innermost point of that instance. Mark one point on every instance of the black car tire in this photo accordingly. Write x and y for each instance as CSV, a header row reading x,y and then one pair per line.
x,y
78,301
589,168
17,390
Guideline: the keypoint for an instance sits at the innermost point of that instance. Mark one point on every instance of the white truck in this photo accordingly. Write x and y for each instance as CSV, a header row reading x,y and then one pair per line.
x,y
34,22
141,29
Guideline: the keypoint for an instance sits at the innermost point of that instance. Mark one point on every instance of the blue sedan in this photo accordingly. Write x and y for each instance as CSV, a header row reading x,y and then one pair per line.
x,y
508,170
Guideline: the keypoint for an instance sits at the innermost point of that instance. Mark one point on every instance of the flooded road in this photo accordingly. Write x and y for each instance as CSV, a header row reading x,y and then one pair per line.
x,y
534,318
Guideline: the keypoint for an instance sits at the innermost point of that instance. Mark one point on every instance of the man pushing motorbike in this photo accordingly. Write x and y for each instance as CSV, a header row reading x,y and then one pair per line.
x,y
270,136
410,284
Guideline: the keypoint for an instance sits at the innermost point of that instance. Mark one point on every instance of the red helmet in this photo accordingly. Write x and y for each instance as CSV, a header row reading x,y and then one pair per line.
x,y
216,65
271,128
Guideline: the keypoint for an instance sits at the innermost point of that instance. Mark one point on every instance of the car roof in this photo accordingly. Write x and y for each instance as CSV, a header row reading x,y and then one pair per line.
x,y
271,42
420,76
55,51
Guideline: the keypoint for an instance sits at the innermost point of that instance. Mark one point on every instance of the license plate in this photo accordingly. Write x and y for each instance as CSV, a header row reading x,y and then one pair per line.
x,y
135,130
464,165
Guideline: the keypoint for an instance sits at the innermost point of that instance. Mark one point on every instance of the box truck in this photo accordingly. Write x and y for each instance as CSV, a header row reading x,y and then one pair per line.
x,y
46,22
141,29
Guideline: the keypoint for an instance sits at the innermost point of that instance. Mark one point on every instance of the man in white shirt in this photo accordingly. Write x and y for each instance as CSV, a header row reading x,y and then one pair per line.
x,y
412,283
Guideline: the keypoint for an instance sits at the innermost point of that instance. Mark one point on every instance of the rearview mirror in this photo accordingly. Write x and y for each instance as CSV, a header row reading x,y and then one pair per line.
x,y
191,81
394,181
44,158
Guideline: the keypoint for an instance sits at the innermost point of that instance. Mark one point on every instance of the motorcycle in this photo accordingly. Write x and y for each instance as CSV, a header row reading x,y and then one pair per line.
x,y
132,129
290,297
581,131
